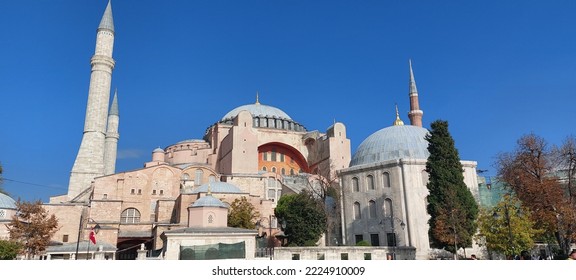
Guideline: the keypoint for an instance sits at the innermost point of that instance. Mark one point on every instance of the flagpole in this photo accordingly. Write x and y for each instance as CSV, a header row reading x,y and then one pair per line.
x,y
92,237
88,250
79,232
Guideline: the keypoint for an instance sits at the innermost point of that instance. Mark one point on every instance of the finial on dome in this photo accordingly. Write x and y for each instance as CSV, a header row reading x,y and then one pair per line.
x,y
257,99
398,121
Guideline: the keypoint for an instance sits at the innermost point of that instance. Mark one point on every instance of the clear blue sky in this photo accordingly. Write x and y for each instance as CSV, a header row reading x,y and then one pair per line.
x,y
495,70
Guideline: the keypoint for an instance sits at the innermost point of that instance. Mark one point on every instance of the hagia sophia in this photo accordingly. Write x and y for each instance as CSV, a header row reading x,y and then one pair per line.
x,y
177,202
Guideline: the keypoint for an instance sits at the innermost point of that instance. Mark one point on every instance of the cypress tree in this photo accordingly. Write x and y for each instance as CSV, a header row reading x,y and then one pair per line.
x,y
452,208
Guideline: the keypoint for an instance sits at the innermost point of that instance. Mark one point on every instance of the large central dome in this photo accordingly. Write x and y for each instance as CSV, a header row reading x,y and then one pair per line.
x,y
394,142
264,116
258,110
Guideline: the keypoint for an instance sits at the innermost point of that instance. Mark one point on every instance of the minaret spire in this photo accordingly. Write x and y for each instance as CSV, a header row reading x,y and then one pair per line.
x,y
107,21
114,106
415,114
112,136
89,161
257,98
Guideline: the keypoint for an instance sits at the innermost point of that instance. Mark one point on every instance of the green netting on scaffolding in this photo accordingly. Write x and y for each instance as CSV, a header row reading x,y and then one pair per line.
x,y
213,251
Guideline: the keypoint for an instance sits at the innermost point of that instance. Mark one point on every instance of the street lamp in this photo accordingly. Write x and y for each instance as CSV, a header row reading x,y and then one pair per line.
x,y
269,240
96,229
392,222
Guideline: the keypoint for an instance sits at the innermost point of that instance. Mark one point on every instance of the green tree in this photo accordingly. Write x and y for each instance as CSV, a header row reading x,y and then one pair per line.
x,y
242,214
507,228
324,184
32,227
9,249
452,208
305,218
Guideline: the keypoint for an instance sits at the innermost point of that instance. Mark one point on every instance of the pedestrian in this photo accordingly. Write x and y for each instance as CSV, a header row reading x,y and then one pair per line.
x,y
525,255
473,257
572,255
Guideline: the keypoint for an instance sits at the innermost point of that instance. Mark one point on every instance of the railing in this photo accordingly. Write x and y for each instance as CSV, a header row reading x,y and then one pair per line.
x,y
266,252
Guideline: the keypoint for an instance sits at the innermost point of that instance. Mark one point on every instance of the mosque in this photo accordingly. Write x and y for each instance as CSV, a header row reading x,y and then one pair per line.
x,y
255,151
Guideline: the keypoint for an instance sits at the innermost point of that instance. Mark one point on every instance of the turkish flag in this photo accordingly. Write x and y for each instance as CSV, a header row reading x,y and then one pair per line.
x,y
93,237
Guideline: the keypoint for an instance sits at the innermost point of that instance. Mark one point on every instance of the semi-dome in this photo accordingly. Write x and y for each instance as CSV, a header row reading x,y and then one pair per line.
x,y
209,201
7,202
217,187
394,142
256,110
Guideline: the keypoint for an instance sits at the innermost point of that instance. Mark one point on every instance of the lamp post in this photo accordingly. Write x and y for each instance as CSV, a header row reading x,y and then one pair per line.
x,y
96,229
268,241
393,221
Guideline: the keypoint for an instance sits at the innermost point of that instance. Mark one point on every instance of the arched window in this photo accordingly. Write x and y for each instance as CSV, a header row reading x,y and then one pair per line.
x,y
387,207
386,180
199,175
355,186
292,171
370,182
211,178
357,213
264,168
372,208
274,169
130,216
185,177
283,171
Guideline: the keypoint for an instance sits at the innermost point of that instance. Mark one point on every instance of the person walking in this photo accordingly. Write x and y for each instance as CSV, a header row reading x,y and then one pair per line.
x,y
572,255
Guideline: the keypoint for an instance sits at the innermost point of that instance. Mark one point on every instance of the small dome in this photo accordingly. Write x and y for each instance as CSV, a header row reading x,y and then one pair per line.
x,y
158,150
394,142
7,202
217,187
208,201
257,110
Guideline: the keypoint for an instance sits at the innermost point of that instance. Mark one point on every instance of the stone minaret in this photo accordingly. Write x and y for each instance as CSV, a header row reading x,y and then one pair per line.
x,y
89,162
415,114
112,137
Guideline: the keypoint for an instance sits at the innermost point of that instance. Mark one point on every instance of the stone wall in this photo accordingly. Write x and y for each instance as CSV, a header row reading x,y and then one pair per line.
x,y
343,253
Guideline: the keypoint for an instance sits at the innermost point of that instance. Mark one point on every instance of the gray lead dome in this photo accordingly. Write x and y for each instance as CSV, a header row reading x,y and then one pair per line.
x,y
257,110
390,143
265,116
7,202
208,201
217,187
